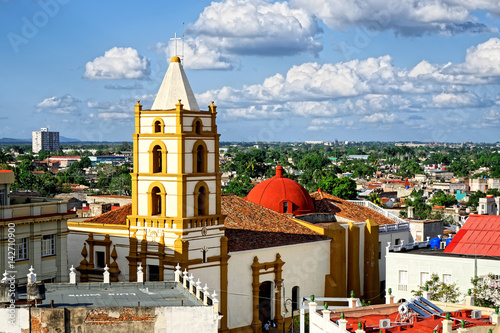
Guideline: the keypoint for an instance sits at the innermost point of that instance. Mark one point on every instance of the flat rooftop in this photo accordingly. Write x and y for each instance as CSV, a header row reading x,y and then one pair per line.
x,y
440,253
152,294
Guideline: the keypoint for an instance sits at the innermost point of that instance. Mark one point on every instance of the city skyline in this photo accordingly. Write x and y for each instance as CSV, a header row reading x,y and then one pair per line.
x,y
278,71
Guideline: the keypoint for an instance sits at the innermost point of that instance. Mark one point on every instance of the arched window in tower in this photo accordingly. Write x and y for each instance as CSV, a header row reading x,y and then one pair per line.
x,y
197,127
202,201
200,159
157,126
157,159
156,207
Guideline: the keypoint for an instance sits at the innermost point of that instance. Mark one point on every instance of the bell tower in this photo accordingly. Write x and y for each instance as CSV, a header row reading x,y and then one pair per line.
x,y
176,194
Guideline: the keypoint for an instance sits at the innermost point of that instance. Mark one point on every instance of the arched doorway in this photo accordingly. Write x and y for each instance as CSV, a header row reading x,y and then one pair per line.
x,y
265,301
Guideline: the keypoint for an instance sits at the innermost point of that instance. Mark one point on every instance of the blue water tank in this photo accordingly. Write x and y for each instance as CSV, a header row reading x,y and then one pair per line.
x,y
448,241
435,243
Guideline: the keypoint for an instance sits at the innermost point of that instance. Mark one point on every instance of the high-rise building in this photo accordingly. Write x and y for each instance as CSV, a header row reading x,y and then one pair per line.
x,y
45,140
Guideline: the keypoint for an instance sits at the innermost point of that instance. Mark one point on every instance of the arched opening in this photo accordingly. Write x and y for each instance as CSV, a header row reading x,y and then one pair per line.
x,y
265,300
156,207
202,201
200,159
295,298
157,159
157,126
197,127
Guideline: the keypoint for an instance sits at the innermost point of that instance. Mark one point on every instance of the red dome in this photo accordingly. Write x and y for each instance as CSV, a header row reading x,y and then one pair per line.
x,y
282,195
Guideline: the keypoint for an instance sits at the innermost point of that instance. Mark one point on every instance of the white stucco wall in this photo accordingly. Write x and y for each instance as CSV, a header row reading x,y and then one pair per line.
x,y
305,266
460,269
19,317
386,237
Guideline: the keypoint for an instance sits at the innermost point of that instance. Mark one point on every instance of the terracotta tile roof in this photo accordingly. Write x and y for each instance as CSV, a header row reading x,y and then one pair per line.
x,y
117,216
250,226
370,316
327,203
480,235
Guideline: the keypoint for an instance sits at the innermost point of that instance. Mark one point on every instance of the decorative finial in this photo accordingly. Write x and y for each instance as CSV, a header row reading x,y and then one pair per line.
x,y
469,292
139,269
312,298
390,291
447,316
360,325
342,316
496,309
325,306
426,287
106,268
72,269
352,293
462,324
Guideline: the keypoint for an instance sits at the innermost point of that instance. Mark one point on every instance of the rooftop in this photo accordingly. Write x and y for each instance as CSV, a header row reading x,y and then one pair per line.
x,y
250,226
160,294
480,235
370,316
116,216
327,203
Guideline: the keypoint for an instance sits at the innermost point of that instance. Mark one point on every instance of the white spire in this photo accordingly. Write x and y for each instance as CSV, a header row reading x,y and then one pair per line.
x,y
175,87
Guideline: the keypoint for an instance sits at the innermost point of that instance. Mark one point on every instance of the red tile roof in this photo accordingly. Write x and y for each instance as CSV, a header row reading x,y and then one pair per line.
x,y
1,171
117,216
327,203
250,226
370,316
480,235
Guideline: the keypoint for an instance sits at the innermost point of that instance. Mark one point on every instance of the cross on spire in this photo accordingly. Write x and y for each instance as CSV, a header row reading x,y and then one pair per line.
x,y
175,39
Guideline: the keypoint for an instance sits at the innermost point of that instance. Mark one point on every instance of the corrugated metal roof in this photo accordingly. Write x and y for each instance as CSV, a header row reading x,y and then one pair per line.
x,y
480,235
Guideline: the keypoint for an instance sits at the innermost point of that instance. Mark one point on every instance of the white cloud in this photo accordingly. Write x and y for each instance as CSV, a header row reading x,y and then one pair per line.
x,y
323,124
198,55
66,104
381,118
257,27
484,59
407,17
457,100
118,63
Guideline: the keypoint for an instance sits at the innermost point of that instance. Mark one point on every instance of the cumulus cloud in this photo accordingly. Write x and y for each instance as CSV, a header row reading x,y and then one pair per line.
x,y
257,28
409,17
381,118
458,100
66,104
118,63
322,124
198,55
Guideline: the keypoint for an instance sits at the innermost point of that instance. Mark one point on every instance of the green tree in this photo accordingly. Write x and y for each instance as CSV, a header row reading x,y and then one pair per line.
x,y
375,199
240,185
441,291
344,188
25,179
48,185
120,184
422,211
410,168
474,198
486,290
442,199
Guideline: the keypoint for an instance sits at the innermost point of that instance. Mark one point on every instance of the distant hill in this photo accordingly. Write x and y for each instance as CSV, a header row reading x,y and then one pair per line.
x,y
65,139
14,141
62,139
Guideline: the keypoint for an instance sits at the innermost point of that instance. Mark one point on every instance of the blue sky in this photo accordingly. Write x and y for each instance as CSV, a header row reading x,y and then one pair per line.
x,y
278,71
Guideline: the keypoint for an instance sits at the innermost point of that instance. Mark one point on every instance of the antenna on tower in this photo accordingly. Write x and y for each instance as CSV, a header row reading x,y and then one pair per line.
x,y
182,56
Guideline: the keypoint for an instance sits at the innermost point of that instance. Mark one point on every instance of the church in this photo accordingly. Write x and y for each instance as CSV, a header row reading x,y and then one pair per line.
x,y
261,254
